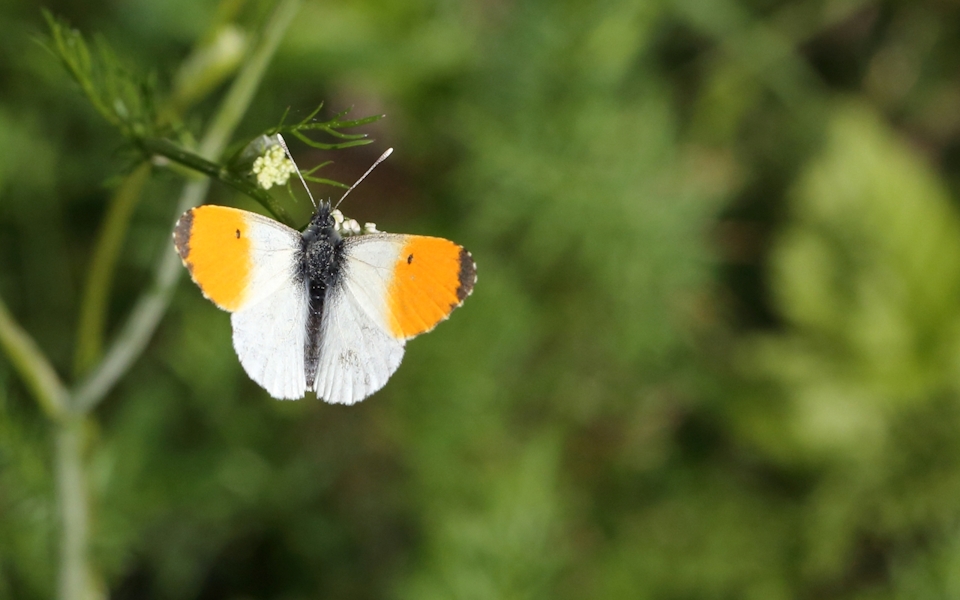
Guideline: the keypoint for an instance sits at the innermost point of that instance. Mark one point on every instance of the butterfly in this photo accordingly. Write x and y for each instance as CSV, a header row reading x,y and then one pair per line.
x,y
321,310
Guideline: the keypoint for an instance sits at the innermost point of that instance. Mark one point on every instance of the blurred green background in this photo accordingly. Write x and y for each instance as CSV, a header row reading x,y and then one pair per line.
x,y
713,353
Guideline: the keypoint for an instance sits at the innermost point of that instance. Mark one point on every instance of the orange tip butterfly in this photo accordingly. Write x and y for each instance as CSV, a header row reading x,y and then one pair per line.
x,y
321,310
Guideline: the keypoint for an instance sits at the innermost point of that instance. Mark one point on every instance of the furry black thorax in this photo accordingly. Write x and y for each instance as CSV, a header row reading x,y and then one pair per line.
x,y
321,252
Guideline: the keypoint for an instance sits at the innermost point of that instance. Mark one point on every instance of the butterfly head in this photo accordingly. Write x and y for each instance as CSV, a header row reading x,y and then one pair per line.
x,y
322,225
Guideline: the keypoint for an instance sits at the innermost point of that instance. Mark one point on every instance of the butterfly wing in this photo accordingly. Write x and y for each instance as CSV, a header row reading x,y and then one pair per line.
x,y
357,352
393,287
246,264
269,339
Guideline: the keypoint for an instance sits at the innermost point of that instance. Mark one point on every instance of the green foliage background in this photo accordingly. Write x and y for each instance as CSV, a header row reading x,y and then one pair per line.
x,y
714,349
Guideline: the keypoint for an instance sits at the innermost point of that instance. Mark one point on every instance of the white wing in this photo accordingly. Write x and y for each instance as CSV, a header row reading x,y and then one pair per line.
x,y
274,251
269,329
269,338
358,352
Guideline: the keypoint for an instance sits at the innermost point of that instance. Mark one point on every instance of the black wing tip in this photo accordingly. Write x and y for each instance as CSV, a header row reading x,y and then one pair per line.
x,y
467,275
181,234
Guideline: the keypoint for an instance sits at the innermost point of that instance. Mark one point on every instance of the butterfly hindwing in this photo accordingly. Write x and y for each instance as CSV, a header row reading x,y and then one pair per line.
x,y
269,338
357,352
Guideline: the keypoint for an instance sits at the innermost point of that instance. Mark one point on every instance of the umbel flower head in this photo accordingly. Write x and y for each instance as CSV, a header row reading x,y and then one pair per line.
x,y
348,227
273,168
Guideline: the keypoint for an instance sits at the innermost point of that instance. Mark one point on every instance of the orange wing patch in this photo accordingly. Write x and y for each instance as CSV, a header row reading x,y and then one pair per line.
x,y
213,243
431,277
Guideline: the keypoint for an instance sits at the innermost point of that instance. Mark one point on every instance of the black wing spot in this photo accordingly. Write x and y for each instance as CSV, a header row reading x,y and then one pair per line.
x,y
409,259
238,234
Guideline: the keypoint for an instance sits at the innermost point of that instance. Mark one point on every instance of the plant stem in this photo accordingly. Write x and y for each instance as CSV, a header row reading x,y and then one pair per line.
x,y
74,582
33,366
168,149
149,309
143,319
93,308
75,577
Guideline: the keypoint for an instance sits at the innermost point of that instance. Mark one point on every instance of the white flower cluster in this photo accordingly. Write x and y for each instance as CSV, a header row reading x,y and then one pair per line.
x,y
273,168
350,226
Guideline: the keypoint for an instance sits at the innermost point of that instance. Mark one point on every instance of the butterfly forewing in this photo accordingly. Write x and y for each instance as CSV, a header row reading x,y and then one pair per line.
x,y
393,288
247,264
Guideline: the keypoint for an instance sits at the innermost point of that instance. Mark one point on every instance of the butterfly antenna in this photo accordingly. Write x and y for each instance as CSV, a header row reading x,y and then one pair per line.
x,y
300,175
382,158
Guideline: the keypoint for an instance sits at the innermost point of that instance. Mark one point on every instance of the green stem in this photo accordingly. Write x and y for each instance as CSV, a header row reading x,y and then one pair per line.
x,y
149,309
93,307
75,582
168,149
207,66
143,319
33,366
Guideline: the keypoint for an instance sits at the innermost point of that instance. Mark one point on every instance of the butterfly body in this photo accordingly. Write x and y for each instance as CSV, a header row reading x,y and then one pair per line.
x,y
320,267
320,311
